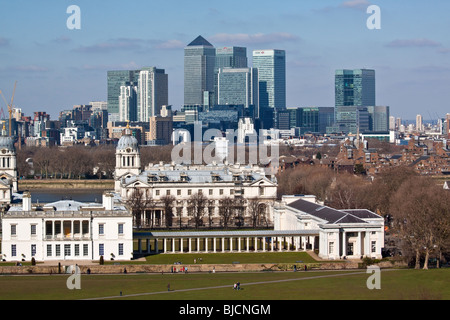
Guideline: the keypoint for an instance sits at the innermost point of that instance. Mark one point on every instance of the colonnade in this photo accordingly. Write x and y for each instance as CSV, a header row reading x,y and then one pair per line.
x,y
222,244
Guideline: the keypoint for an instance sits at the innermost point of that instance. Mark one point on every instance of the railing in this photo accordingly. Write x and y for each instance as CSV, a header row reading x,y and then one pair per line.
x,y
65,237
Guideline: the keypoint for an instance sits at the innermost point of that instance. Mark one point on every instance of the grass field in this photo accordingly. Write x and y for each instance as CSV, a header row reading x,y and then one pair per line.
x,y
228,258
311,285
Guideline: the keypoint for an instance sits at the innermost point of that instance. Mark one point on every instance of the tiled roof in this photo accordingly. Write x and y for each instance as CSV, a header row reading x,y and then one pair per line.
x,y
331,215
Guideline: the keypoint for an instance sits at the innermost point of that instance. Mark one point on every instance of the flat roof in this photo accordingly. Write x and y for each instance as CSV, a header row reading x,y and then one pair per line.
x,y
219,234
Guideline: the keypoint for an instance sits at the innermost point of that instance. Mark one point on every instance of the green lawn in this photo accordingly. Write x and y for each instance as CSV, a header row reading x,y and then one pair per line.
x,y
317,285
229,258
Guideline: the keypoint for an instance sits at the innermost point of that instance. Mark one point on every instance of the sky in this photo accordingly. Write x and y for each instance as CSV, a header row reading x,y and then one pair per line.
x,y
56,67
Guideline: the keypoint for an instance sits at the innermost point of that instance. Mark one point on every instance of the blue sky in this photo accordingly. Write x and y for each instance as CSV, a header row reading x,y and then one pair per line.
x,y
57,68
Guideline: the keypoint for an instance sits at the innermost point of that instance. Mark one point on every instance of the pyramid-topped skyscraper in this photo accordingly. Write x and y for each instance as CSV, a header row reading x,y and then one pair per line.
x,y
199,63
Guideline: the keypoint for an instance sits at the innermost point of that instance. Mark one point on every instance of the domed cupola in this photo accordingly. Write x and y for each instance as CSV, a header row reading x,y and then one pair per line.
x,y
128,142
8,164
6,143
128,160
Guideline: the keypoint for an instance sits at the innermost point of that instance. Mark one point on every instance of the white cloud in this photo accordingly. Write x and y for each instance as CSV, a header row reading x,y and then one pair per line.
x,y
171,44
258,38
419,42
356,4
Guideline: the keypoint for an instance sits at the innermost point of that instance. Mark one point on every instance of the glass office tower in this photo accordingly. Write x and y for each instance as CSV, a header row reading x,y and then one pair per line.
x,y
355,88
199,63
271,65
379,118
116,79
237,86
153,93
354,92
228,57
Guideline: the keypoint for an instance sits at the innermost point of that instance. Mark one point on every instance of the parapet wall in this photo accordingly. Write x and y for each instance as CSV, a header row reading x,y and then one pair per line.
x,y
149,268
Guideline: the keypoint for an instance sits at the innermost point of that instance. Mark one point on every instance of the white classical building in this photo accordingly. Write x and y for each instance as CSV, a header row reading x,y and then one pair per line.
x,y
215,181
67,230
338,234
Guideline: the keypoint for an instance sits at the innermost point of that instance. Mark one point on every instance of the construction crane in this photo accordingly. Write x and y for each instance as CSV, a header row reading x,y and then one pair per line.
x,y
10,106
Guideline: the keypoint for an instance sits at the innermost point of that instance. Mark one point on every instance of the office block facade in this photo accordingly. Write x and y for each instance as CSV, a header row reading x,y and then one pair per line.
x,y
116,79
237,86
199,64
153,92
128,103
271,65
355,88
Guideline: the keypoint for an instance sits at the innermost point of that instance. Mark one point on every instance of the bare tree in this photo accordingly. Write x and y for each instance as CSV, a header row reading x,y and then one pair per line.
x,y
196,207
226,210
239,211
254,210
347,192
211,209
138,204
168,205
421,214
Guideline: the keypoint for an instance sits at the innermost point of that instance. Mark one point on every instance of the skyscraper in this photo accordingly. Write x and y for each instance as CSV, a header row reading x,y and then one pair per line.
x,y
199,63
116,79
354,92
237,86
271,65
231,57
419,122
355,88
153,92
228,57
128,102
379,118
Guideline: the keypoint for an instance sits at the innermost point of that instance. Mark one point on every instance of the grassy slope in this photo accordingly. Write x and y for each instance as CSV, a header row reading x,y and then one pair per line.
x,y
395,284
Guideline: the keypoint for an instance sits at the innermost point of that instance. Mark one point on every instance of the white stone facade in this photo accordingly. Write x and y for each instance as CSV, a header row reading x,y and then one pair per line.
x,y
67,230
339,234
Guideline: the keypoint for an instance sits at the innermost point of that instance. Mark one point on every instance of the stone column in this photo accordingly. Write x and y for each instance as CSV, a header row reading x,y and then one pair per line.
x,y
190,244
223,244
239,244
173,245
344,244
359,244
206,244
248,244
165,245
181,245
231,244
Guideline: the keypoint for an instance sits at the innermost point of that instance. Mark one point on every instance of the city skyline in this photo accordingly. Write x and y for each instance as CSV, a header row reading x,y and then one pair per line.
x,y
69,67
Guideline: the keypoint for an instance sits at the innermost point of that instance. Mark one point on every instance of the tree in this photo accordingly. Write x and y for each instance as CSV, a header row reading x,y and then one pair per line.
x,y
254,207
239,211
386,183
421,215
196,207
226,210
347,192
138,203
168,204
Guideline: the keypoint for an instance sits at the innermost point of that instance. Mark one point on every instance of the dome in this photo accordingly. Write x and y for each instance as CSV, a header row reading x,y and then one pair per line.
x,y
6,143
127,141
